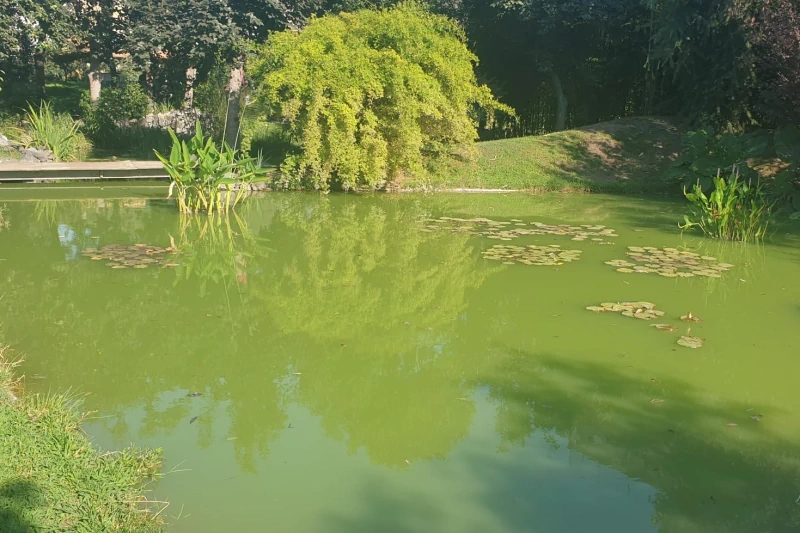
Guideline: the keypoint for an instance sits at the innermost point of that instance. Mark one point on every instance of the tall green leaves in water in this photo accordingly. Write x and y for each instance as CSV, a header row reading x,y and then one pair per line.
x,y
57,132
207,178
735,210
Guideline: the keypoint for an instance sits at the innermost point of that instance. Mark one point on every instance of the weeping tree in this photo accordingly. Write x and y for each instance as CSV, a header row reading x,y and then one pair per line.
x,y
372,96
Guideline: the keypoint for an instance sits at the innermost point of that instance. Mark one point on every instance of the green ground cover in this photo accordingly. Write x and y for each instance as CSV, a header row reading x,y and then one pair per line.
x,y
625,155
53,479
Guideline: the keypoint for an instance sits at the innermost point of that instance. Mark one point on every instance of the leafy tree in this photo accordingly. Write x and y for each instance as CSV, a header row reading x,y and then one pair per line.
x,y
28,26
167,38
372,96
775,30
579,61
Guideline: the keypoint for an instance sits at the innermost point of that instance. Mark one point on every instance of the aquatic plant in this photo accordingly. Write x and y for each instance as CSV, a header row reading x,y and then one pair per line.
x,y
131,255
735,210
500,229
206,177
640,310
550,255
669,263
219,248
57,132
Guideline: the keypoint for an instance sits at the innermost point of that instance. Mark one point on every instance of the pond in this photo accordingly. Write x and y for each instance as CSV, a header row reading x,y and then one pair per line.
x,y
349,364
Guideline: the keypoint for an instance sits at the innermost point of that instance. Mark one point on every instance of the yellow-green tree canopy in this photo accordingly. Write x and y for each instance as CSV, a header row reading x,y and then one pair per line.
x,y
372,96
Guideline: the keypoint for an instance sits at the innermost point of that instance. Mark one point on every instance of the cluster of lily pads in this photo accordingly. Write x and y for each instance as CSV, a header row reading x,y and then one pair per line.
x,y
670,263
514,228
648,311
131,255
550,255
640,310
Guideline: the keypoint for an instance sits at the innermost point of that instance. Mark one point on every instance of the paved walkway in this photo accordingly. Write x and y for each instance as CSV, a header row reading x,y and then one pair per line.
x,y
15,171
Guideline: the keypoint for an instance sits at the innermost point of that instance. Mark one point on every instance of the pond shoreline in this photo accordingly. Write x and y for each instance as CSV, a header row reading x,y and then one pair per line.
x,y
46,460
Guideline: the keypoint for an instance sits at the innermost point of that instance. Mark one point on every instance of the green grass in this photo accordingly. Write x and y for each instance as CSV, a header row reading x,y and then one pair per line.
x,y
53,479
625,155
64,97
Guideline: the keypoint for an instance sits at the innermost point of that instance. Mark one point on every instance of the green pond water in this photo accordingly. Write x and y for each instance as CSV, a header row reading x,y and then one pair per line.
x,y
333,365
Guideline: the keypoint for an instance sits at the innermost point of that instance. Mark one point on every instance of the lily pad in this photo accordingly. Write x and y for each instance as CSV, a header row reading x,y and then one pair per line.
x,y
690,342
596,309
691,318
664,327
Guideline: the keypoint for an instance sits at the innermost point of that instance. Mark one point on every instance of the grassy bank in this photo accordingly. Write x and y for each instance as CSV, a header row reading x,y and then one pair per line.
x,y
625,155
53,479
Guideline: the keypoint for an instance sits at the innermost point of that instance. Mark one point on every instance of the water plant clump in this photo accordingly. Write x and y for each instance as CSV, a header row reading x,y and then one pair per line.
x,y
550,255
131,255
512,229
205,177
669,263
735,210
640,310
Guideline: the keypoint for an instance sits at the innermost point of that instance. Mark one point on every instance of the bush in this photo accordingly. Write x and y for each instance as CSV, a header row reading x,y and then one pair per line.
x,y
211,96
116,105
57,132
705,152
122,103
372,96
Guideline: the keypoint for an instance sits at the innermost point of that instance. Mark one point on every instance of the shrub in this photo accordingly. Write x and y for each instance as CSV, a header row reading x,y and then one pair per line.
x,y
206,177
372,96
122,103
57,132
736,210
116,105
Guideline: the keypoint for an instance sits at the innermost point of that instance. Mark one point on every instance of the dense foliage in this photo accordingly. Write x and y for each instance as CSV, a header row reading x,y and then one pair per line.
x,y
59,133
371,96
206,177
734,210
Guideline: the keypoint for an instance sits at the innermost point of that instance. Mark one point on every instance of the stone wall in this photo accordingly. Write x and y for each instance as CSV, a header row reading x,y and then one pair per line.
x,y
181,121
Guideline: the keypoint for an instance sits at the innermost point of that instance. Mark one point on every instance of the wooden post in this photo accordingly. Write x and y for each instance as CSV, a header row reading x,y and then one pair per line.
x,y
38,63
95,83
188,96
561,102
234,97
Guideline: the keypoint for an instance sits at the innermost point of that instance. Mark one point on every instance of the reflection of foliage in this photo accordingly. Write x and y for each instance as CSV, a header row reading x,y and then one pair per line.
x,y
357,273
378,297
371,269
216,248
5,221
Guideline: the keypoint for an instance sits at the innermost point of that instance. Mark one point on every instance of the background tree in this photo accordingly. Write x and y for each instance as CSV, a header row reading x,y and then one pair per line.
x,y
28,27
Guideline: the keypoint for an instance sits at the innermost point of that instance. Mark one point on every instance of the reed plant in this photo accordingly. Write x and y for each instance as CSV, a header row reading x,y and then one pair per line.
x,y
735,210
205,177
57,132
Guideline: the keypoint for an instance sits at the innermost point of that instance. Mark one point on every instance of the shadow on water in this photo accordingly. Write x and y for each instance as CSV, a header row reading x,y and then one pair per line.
x,y
714,468
711,476
17,498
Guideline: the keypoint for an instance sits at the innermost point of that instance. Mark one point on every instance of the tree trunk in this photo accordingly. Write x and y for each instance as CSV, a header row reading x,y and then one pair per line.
x,y
561,102
95,83
39,62
188,96
234,97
